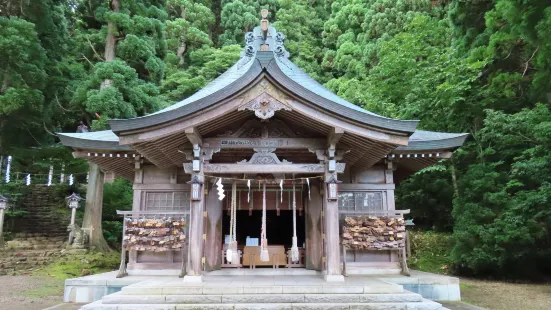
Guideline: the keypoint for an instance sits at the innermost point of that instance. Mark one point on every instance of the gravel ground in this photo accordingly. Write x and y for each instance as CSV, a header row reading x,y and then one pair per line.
x,y
29,292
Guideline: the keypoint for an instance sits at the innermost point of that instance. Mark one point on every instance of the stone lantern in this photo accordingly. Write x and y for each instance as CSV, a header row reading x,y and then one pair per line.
x,y
73,202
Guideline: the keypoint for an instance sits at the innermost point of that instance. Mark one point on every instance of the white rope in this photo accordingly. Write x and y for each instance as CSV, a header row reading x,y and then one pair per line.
x,y
231,252
264,254
308,181
281,188
249,193
294,247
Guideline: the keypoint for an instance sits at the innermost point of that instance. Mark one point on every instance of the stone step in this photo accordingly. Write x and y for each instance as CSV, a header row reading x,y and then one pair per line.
x,y
118,298
423,305
385,288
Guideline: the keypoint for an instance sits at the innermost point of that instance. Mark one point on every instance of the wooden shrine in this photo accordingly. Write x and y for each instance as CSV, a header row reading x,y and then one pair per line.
x,y
263,127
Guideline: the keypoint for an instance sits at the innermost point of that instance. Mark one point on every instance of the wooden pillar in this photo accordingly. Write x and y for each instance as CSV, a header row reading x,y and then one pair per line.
x,y
213,230
1,228
196,239
332,238
314,242
389,179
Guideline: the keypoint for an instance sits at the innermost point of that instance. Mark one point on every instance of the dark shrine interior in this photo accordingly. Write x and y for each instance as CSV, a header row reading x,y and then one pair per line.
x,y
279,228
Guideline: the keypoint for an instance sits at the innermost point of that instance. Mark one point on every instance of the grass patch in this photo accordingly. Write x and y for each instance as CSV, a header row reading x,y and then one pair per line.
x,y
430,251
72,266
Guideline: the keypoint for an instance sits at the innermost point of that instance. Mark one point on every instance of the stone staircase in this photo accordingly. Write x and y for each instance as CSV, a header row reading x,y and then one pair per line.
x,y
378,295
29,251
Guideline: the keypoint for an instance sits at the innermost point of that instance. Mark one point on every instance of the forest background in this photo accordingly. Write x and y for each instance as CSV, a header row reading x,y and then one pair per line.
x,y
479,66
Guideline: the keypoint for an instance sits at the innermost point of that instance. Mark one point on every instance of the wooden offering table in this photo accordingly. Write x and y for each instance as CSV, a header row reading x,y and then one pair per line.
x,y
251,256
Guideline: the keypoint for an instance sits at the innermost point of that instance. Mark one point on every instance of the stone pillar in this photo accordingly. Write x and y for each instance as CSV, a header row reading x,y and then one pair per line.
x,y
332,238
194,269
213,244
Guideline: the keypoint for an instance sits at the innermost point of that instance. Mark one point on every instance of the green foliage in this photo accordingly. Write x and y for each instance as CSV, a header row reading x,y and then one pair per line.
x,y
72,266
430,251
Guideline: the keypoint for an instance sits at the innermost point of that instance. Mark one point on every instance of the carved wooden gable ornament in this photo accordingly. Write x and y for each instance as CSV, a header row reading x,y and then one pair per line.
x,y
264,106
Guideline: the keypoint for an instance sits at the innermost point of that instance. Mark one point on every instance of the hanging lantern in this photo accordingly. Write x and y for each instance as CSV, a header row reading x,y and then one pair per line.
x,y
195,187
4,202
332,188
73,201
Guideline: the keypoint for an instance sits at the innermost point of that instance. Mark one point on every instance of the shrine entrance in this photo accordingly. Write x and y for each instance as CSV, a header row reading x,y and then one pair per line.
x,y
279,225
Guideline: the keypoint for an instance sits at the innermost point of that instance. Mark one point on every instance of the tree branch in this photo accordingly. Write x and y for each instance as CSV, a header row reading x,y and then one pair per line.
x,y
93,49
528,61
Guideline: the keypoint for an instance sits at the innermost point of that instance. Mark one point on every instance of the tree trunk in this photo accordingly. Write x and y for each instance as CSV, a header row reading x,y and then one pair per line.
x,y
110,41
454,180
94,190
93,211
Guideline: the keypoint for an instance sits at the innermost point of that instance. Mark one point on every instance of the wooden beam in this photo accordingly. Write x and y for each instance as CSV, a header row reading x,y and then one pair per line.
x,y
247,143
194,136
334,136
260,168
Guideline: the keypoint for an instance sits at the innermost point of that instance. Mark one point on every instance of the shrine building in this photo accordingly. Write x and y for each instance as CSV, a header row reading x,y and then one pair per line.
x,y
269,134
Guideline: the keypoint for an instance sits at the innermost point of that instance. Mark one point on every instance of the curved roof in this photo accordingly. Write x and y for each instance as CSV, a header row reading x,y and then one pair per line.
x,y
264,55
96,140
432,140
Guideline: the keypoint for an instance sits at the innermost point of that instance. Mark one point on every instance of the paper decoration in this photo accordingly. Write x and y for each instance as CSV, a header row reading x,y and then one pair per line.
x,y
281,189
50,175
220,188
28,180
71,179
249,193
8,166
308,182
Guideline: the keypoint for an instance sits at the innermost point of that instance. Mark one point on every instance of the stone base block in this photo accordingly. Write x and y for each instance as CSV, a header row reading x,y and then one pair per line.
x,y
193,279
333,278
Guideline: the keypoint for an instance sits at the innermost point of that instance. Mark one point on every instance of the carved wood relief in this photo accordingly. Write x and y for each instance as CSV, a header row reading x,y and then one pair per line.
x,y
264,106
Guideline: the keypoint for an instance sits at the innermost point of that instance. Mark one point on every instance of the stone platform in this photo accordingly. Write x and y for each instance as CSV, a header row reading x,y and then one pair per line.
x,y
264,292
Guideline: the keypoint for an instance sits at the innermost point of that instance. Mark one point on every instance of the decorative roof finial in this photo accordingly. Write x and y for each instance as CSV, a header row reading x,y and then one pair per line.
x,y
264,23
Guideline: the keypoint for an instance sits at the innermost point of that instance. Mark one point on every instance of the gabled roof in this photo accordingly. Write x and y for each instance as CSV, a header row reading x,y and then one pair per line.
x,y
265,56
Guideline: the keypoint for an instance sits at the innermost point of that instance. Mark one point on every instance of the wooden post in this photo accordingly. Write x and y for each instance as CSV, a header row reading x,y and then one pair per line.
x,y
213,230
1,228
196,238
332,238
314,242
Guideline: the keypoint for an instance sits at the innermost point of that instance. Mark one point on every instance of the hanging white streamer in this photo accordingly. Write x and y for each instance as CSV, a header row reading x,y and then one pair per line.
x,y
281,188
308,182
249,193
71,179
28,179
50,175
220,188
8,170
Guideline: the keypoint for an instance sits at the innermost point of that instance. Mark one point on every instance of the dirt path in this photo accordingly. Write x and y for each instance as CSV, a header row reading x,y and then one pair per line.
x,y
30,292
506,296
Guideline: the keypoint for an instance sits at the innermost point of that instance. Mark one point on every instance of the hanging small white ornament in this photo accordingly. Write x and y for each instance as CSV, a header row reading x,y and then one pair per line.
x,y
220,188
8,166
71,179
28,179
62,176
308,182
50,175
281,189
249,193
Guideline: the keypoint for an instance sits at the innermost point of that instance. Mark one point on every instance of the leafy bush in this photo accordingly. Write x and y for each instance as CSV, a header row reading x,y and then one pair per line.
x,y
430,251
